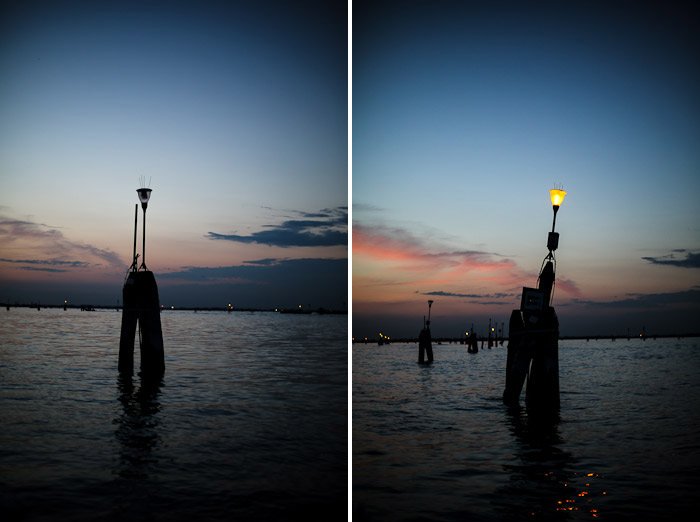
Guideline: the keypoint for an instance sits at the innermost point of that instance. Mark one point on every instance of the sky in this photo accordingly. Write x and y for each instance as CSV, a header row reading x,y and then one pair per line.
x,y
235,113
465,114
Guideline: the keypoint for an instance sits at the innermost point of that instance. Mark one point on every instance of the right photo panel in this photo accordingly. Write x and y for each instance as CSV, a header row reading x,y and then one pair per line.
x,y
525,274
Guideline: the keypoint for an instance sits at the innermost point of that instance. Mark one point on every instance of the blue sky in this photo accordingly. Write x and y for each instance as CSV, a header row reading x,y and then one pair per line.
x,y
466,113
235,111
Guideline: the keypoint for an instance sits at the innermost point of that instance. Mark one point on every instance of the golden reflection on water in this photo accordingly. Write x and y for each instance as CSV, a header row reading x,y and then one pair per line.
x,y
547,473
584,498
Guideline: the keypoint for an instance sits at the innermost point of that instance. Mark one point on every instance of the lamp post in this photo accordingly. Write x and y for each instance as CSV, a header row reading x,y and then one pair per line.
x,y
557,196
533,337
144,196
141,309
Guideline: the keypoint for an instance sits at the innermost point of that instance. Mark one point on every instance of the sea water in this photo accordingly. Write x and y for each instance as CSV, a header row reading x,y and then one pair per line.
x,y
249,421
435,442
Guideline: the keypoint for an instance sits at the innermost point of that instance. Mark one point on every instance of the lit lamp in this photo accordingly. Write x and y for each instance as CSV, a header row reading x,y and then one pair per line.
x,y
144,196
557,196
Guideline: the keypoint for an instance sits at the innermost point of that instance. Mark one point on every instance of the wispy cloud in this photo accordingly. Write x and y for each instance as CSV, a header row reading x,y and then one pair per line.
x,y
41,269
497,295
328,227
391,261
366,207
647,301
262,262
691,259
261,271
316,281
54,248
49,262
400,250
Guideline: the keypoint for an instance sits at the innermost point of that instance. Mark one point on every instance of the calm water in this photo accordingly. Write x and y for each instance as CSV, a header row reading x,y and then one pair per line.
x,y
436,443
250,421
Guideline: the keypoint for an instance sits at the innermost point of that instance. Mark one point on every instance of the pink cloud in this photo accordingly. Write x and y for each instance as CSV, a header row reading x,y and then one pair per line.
x,y
391,264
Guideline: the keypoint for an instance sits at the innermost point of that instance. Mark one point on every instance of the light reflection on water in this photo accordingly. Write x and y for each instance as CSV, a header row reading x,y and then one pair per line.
x,y
249,421
436,442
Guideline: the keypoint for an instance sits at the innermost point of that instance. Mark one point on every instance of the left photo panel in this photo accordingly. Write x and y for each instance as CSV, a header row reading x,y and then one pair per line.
x,y
174,260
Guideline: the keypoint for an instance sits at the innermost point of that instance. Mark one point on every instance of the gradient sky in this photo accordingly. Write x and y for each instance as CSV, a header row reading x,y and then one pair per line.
x,y
466,113
235,111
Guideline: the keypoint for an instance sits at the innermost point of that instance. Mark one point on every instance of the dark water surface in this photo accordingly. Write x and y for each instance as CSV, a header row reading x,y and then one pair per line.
x,y
249,422
436,443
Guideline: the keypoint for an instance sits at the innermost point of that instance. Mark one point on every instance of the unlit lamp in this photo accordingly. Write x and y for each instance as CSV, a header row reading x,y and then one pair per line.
x,y
144,196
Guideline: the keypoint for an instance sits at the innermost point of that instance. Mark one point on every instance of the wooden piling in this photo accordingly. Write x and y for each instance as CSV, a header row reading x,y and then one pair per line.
x,y
518,361
533,349
425,346
542,393
141,307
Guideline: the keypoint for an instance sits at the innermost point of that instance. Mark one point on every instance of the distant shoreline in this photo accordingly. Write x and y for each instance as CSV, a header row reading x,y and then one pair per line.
x,y
456,340
89,307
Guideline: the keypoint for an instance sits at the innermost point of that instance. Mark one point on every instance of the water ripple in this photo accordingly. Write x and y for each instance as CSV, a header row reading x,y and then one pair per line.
x,y
436,443
250,420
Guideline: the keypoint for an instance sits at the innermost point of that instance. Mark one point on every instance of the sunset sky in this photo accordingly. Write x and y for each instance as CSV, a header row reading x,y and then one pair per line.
x,y
466,113
235,111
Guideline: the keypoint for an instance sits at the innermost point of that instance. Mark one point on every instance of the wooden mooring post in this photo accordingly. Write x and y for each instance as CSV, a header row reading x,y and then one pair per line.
x,y
425,341
141,309
533,354
533,338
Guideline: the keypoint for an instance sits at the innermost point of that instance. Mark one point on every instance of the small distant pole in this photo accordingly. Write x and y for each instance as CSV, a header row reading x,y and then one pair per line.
x,y
425,342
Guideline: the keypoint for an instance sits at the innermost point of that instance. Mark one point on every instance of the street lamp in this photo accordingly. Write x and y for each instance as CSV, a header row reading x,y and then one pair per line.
x,y
557,196
144,196
533,336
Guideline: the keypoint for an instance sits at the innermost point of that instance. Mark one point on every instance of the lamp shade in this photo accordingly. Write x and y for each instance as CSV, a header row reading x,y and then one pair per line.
x,y
144,194
557,196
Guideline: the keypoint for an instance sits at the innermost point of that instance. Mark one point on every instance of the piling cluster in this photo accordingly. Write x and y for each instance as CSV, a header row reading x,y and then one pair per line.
x,y
141,311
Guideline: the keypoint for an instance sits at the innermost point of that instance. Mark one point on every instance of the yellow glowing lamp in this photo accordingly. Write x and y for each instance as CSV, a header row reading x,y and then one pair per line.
x,y
557,196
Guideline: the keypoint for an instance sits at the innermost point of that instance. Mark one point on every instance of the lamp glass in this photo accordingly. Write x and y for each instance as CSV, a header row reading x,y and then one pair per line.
x,y
557,196
144,194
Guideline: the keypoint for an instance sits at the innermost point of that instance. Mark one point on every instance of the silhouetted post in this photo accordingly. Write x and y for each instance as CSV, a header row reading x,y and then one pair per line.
x,y
473,341
533,337
141,307
425,342
134,266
